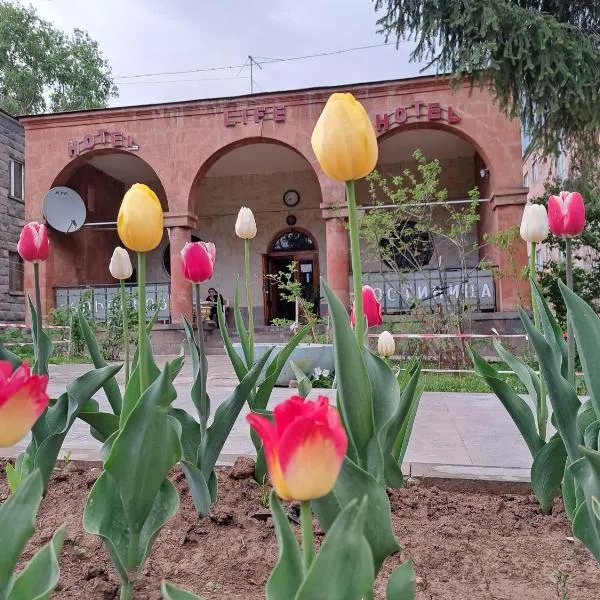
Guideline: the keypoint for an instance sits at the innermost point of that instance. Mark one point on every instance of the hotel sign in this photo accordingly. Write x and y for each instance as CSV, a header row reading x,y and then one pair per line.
x,y
419,111
104,138
253,114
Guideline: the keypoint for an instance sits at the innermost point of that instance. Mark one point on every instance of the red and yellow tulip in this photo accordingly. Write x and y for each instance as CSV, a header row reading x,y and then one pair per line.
x,y
304,447
23,399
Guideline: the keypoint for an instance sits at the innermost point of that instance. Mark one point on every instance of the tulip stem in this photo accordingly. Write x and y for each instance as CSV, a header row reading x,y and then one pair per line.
x,y
125,312
126,591
570,336
142,321
249,303
38,321
359,321
307,534
542,408
199,319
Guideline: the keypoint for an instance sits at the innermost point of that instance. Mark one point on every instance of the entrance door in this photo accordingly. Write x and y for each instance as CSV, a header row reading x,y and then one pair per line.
x,y
291,247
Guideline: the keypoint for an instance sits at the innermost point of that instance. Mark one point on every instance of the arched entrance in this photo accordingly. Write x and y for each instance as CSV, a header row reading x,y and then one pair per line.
x,y
292,255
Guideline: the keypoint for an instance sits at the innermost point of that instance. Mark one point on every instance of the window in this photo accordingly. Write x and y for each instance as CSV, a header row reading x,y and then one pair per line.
x,y
15,179
561,166
15,272
534,171
526,180
539,259
293,241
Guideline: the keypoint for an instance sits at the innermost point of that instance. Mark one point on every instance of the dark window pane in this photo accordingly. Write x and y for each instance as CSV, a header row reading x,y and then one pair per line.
x,y
15,272
293,241
16,179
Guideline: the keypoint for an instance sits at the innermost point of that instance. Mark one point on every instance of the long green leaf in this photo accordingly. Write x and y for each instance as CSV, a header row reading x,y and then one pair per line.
x,y
402,584
170,592
42,344
238,364
241,327
11,357
111,387
287,575
17,516
198,392
39,578
401,443
547,472
354,393
198,487
343,569
517,408
302,381
568,491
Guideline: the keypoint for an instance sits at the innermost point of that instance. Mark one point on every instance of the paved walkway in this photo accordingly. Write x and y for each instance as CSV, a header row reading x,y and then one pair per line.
x,y
455,434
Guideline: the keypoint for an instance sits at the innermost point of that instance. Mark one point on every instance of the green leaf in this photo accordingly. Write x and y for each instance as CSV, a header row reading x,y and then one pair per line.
x,y
402,583
17,516
401,443
352,483
104,424
13,478
563,396
191,436
225,417
586,529
287,575
238,364
261,399
354,395
547,472
517,408
241,327
13,359
170,592
39,578
111,387
343,569
590,435
198,487
41,343
200,372
302,381
568,492
144,451
585,416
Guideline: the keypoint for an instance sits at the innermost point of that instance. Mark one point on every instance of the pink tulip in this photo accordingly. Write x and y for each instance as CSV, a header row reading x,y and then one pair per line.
x,y
371,307
33,243
198,261
566,214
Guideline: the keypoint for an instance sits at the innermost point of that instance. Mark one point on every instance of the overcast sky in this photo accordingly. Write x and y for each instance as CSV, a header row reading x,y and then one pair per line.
x,y
152,36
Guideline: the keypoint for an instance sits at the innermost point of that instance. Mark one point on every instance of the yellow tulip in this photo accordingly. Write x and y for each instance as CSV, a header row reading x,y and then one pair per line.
x,y
344,140
140,219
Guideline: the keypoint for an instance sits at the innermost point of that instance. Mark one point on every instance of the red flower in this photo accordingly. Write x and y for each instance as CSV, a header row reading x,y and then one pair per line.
x,y
371,307
33,243
198,261
566,214
23,399
304,447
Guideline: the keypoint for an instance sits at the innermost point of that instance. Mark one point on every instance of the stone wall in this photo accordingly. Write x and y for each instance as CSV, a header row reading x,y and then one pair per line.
x,y
12,214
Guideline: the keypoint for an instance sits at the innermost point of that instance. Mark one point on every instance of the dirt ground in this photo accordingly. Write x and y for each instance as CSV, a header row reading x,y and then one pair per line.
x,y
470,543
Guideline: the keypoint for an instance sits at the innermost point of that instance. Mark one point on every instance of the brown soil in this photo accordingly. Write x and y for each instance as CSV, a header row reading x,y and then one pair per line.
x,y
470,543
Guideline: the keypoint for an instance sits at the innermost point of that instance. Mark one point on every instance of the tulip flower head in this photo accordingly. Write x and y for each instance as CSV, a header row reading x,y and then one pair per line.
x,y
534,224
344,140
371,307
140,219
23,399
245,225
386,346
566,214
33,245
120,264
304,447
198,261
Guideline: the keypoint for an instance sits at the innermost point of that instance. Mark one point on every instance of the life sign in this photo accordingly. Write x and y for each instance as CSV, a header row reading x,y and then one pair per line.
x,y
430,111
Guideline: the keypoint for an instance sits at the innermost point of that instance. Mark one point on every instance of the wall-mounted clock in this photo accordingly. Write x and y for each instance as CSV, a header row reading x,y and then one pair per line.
x,y
291,198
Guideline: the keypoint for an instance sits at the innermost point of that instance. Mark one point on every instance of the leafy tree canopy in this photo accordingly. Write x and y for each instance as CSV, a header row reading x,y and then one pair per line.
x,y
43,68
541,59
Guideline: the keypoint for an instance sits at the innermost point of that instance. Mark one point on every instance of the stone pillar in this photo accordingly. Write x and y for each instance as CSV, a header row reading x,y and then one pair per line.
x,y
338,257
181,289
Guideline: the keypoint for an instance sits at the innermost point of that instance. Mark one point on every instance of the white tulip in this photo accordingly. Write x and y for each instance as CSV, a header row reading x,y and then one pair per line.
x,y
534,224
245,226
120,264
386,345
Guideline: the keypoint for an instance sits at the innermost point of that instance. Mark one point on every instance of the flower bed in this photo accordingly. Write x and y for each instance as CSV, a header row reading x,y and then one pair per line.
x,y
479,541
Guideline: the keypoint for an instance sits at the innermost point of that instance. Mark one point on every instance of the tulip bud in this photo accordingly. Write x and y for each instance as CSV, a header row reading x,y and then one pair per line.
x,y
140,219
198,260
120,264
344,140
566,214
33,245
534,224
371,307
245,226
304,447
386,346
23,398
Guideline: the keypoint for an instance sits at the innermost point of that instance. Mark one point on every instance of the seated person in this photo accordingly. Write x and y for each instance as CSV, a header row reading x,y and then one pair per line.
x,y
213,297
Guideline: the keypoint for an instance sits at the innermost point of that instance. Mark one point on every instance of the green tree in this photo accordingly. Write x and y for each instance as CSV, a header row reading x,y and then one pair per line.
x,y
540,58
43,68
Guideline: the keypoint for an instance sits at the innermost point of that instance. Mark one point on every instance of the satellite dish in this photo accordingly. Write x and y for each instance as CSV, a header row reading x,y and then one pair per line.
x,y
64,209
